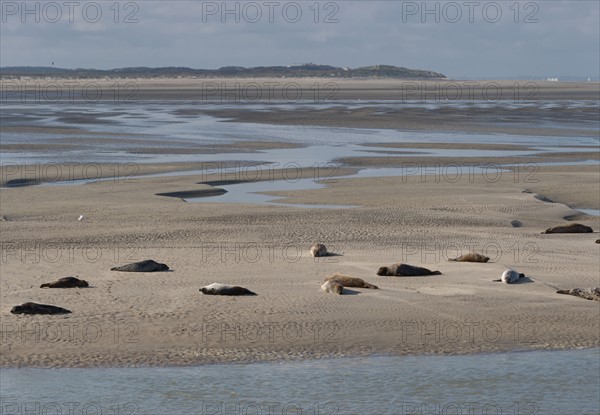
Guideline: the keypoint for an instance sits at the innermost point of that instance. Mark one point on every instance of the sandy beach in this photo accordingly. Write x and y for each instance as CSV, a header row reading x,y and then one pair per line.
x,y
127,319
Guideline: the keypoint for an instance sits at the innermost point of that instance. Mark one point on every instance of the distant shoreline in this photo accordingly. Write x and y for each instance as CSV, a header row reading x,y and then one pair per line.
x,y
288,90
295,71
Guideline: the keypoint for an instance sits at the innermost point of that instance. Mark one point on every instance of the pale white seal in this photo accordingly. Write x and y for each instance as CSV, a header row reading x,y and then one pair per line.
x,y
510,277
223,289
332,286
318,250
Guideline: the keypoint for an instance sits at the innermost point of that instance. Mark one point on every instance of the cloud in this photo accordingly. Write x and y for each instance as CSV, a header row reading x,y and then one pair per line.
x,y
204,34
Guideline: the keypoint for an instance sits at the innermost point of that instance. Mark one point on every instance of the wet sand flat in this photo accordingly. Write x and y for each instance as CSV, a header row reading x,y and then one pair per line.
x,y
162,319
424,219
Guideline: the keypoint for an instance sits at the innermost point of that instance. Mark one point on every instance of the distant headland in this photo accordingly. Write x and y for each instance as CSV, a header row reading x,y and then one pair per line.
x,y
293,71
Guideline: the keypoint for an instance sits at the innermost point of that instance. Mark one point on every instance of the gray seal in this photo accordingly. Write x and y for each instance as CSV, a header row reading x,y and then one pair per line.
x,y
471,257
510,277
224,289
66,282
405,270
35,308
587,293
148,265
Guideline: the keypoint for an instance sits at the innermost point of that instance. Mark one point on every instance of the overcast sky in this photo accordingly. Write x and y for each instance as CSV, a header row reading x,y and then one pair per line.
x,y
470,39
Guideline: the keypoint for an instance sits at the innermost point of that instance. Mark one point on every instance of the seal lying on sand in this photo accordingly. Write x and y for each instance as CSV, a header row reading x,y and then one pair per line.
x,y
569,228
223,289
348,281
142,266
318,250
35,308
66,282
598,241
471,257
405,270
332,286
587,293
510,277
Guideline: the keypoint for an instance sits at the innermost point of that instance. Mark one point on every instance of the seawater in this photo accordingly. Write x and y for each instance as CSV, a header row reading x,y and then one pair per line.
x,y
161,125
156,124
532,382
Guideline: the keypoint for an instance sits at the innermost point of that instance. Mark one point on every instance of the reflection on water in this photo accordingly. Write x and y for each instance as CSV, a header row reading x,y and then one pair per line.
x,y
451,173
591,212
538,382
115,132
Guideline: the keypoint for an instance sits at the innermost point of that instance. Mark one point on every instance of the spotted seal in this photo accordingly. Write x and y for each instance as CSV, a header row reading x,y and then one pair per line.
x,y
587,293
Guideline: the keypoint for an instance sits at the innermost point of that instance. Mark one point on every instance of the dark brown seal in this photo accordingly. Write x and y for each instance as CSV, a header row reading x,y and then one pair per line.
x,y
35,308
405,270
148,265
66,282
569,228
